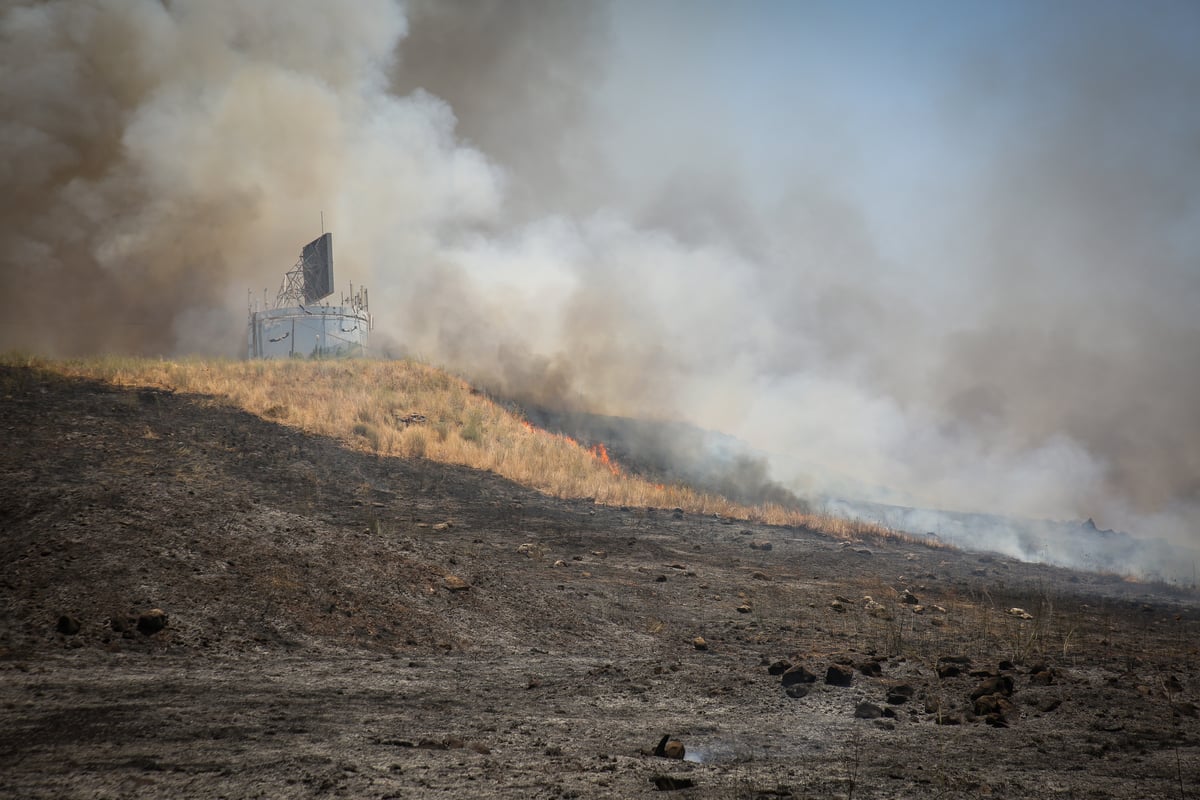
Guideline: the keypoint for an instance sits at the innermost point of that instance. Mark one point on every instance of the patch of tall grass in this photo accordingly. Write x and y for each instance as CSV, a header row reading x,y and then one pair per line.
x,y
408,409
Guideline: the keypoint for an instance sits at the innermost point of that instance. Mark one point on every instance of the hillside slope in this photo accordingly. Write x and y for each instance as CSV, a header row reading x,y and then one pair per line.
x,y
343,622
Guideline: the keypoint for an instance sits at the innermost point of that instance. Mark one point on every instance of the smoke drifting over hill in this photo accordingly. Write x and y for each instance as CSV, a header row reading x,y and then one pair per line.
x,y
537,199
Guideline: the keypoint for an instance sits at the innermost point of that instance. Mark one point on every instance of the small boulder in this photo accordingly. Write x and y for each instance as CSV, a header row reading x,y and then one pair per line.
x,y
909,598
670,748
948,670
779,667
797,675
1048,704
868,711
1020,613
744,608
990,704
699,643
899,694
1000,684
760,544
871,669
454,583
152,621
68,625
797,691
839,675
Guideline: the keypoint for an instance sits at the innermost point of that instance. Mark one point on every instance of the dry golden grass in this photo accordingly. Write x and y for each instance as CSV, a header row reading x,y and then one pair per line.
x,y
412,410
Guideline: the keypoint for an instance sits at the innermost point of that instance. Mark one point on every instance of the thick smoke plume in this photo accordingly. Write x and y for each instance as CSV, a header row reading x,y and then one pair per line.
x,y
1025,342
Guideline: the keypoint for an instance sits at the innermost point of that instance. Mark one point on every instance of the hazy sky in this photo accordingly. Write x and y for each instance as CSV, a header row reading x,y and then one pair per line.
x,y
933,252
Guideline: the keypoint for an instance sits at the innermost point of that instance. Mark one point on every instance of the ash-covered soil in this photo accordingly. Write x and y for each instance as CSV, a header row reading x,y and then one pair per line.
x,y
343,625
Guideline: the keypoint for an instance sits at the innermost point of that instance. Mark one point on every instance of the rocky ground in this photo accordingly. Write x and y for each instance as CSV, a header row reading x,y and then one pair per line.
x,y
200,603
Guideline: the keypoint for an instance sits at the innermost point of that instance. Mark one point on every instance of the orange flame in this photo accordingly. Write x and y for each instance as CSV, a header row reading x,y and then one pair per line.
x,y
600,453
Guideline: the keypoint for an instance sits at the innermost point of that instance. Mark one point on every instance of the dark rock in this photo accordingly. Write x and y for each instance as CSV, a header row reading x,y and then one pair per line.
x,y
1043,678
1000,684
152,621
1048,704
948,670
669,748
885,724
669,783
1007,666
699,643
760,544
948,719
779,667
796,675
990,704
900,694
744,608
454,583
798,690
908,597
871,669
868,711
839,675
68,625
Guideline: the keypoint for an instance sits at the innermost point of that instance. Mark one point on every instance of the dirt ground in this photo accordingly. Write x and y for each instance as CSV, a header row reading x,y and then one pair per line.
x,y
342,625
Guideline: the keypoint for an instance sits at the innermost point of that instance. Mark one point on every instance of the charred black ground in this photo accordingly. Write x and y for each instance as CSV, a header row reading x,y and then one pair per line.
x,y
339,624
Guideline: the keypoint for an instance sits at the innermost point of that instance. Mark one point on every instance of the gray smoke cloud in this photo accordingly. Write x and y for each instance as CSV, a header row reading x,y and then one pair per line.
x,y
1030,347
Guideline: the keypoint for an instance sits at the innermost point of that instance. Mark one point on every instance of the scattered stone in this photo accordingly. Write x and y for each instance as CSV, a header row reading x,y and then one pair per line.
x,y
560,563
999,684
1043,678
948,670
760,544
660,579
1006,666
443,526
948,719
797,675
990,704
530,549
1048,704
908,598
1019,613
839,675
669,748
669,783
885,724
699,643
866,710
68,625
677,513
838,606
918,609
900,694
779,667
744,608
871,669
152,621
454,583
797,691
760,576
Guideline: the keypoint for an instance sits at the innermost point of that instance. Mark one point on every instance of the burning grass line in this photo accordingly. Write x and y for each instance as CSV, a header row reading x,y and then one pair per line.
x,y
413,410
